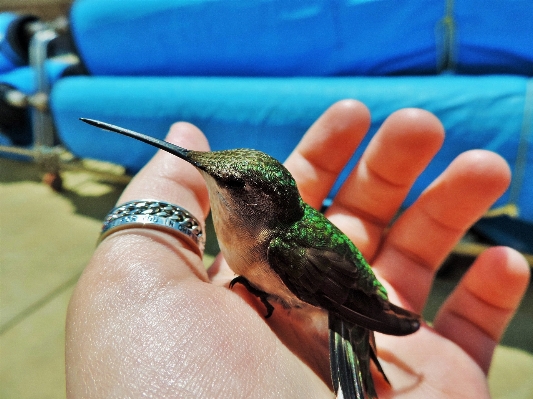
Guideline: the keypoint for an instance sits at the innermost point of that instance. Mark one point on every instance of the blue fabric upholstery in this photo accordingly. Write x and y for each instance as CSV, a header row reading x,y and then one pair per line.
x,y
10,57
271,114
255,38
303,38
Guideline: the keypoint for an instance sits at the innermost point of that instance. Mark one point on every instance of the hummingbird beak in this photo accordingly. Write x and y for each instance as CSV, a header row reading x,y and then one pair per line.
x,y
180,152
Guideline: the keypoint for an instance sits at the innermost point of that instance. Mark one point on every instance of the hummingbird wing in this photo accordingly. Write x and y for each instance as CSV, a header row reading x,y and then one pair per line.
x,y
321,266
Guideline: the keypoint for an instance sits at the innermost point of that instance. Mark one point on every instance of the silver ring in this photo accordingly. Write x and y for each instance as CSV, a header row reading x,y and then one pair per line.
x,y
154,214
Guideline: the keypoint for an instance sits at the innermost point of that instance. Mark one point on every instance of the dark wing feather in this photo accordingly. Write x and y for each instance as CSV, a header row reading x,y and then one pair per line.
x,y
333,276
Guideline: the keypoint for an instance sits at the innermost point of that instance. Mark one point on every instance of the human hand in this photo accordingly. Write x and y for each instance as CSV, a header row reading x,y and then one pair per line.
x,y
147,319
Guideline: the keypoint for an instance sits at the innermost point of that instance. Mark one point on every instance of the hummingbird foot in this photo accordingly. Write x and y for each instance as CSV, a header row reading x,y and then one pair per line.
x,y
254,291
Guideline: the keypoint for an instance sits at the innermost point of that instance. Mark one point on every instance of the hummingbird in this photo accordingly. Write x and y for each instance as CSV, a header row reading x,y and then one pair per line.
x,y
283,250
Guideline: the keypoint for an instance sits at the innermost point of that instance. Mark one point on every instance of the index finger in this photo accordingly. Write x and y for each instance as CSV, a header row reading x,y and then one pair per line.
x,y
169,179
325,149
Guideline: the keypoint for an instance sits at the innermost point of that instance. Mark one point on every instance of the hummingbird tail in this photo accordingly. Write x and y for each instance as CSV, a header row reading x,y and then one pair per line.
x,y
351,349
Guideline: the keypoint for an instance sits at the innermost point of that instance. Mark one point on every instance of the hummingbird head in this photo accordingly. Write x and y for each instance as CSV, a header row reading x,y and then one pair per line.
x,y
247,183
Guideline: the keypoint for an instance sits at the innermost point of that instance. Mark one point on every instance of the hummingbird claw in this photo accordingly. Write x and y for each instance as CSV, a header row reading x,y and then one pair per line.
x,y
262,295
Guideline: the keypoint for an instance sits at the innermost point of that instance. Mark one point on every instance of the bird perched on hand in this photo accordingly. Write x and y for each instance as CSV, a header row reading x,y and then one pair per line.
x,y
284,250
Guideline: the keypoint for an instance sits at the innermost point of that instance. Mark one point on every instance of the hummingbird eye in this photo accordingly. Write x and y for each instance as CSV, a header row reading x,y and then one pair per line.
x,y
234,182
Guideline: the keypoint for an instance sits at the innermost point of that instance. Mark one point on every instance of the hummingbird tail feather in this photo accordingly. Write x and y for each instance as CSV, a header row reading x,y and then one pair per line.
x,y
351,350
345,370
374,356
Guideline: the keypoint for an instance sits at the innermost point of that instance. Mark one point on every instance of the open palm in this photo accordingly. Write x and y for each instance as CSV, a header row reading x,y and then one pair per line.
x,y
146,319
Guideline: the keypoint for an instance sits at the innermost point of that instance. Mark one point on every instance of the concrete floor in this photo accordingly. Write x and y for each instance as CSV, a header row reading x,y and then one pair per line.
x,y
46,238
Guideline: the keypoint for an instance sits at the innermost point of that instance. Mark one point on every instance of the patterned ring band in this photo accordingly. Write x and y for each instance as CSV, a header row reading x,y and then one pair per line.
x,y
157,215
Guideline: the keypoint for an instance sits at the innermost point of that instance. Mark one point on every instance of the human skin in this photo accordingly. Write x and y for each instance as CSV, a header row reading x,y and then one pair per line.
x,y
147,320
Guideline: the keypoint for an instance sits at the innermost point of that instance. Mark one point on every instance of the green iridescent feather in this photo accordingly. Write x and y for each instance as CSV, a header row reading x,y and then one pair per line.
x,y
316,231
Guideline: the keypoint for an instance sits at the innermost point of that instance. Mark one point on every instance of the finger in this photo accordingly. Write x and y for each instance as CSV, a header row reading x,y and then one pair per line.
x,y
165,178
477,313
168,178
376,188
219,272
427,231
325,149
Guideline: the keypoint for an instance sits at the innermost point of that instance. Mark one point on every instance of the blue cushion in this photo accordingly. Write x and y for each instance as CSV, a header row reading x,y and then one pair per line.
x,y
271,114
9,56
303,38
256,38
